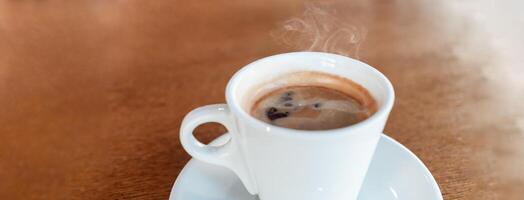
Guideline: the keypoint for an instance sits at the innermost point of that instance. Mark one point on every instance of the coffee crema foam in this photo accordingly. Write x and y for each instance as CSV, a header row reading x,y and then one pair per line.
x,y
325,102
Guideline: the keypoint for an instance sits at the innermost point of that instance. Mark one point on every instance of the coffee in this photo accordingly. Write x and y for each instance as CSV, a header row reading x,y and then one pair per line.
x,y
315,107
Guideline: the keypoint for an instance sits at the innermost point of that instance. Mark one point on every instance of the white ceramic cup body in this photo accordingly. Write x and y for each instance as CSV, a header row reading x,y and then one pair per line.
x,y
286,164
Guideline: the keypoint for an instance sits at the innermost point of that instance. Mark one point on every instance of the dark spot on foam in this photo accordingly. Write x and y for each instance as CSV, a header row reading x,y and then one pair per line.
x,y
273,114
287,96
278,115
317,105
271,110
288,104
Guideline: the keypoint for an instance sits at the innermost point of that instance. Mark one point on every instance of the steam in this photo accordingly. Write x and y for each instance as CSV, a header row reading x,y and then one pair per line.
x,y
320,29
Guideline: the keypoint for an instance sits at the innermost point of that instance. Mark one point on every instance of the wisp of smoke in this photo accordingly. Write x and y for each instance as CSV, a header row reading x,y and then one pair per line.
x,y
320,29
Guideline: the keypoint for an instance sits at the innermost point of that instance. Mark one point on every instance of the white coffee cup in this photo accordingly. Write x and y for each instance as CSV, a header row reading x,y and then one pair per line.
x,y
279,163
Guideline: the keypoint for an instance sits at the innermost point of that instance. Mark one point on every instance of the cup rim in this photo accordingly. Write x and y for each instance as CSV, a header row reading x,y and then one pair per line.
x,y
235,105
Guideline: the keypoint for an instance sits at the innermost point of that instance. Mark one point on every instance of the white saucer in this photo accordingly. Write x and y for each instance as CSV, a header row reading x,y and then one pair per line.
x,y
395,173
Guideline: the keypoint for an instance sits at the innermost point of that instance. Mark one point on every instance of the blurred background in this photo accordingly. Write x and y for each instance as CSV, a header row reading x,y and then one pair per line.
x,y
92,93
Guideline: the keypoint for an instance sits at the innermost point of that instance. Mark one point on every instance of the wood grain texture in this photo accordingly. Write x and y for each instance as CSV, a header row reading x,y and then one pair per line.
x,y
92,93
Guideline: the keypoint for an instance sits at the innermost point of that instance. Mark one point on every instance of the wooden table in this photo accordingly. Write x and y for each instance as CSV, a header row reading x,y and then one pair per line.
x,y
92,93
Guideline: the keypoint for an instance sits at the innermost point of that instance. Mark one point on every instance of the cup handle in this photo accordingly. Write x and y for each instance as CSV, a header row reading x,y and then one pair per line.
x,y
227,155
